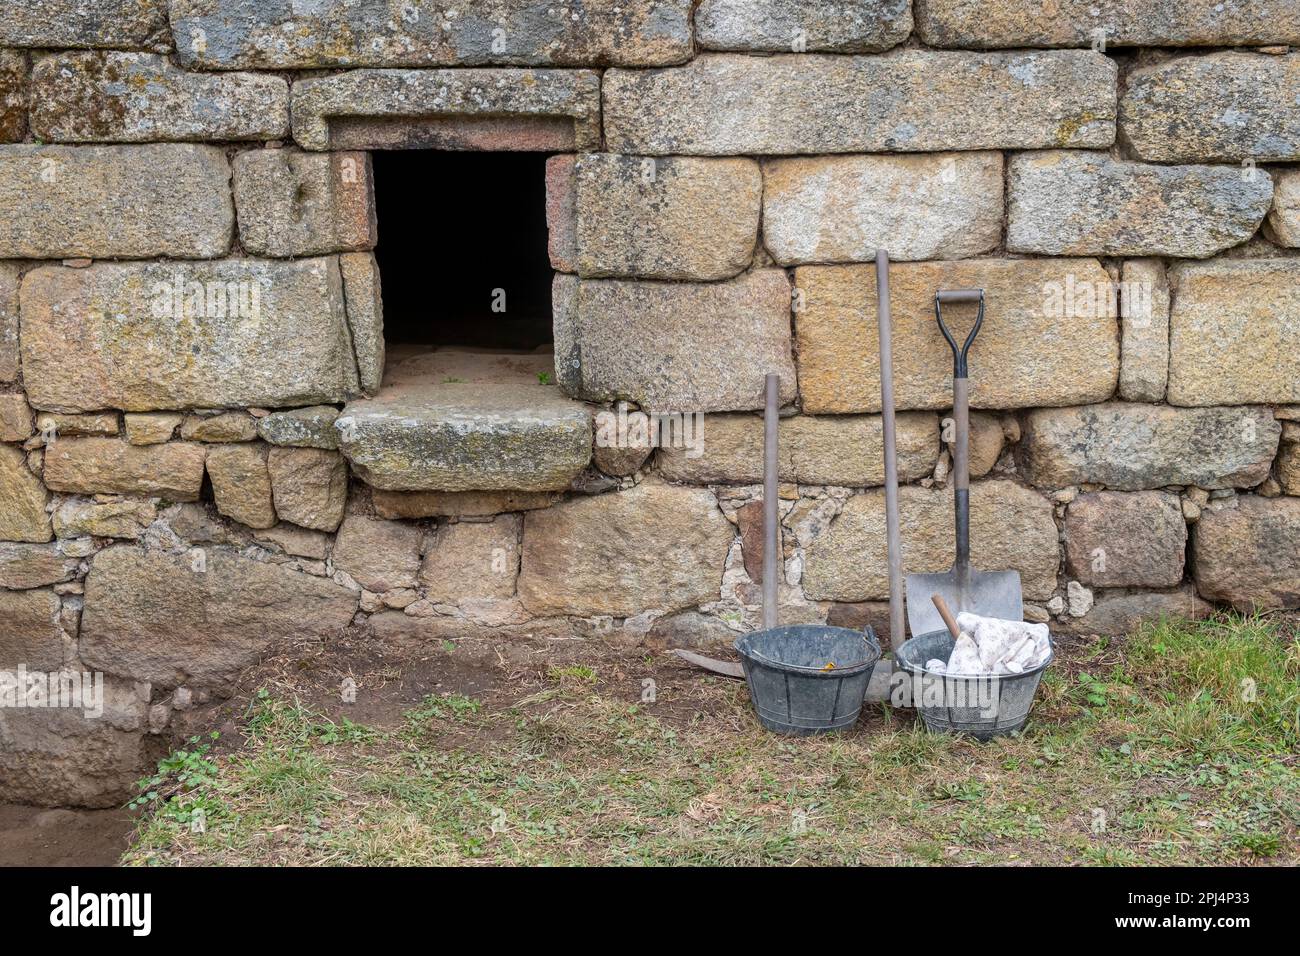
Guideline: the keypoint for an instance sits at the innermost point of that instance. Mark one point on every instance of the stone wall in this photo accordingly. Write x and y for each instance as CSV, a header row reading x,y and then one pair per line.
x,y
201,454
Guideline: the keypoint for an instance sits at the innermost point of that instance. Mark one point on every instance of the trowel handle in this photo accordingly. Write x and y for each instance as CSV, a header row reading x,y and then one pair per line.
x,y
949,621
960,415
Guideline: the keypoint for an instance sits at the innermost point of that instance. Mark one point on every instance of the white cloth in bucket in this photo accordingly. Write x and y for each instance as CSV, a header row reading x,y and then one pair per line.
x,y
965,657
990,645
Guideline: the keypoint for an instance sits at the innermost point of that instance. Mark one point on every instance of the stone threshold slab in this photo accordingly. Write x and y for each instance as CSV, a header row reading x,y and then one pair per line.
x,y
452,420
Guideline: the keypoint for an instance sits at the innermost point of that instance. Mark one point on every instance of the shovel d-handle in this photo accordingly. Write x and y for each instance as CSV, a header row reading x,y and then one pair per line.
x,y
961,420
952,297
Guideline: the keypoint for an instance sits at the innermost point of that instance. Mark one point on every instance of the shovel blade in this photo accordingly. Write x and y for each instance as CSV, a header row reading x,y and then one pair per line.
x,y
988,593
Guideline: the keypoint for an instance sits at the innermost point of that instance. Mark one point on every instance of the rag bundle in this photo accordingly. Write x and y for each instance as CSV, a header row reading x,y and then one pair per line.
x,y
989,645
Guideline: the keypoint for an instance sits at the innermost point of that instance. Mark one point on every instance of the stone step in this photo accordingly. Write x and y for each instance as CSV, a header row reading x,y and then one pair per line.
x,y
464,421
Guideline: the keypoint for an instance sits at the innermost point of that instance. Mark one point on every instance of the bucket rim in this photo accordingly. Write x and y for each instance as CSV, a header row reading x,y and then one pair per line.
x,y
874,651
921,669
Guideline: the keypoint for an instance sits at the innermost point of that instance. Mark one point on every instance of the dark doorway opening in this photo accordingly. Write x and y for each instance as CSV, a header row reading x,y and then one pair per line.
x,y
462,248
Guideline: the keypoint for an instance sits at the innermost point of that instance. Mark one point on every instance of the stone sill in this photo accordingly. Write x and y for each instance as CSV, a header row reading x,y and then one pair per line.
x,y
459,420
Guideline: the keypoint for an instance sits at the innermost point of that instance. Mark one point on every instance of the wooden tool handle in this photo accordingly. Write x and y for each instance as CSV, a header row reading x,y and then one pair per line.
x,y
946,614
771,515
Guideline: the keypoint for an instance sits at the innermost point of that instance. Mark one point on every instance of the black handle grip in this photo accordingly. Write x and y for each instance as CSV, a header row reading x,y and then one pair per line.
x,y
959,351
961,512
959,295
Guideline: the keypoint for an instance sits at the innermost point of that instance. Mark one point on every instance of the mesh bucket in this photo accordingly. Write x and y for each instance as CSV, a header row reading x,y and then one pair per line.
x,y
790,685
983,707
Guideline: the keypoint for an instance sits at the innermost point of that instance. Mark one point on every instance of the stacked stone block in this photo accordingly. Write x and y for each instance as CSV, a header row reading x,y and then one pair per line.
x,y
201,454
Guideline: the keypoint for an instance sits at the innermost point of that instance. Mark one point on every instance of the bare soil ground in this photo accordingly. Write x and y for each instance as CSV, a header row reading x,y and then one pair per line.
x,y
35,836
572,752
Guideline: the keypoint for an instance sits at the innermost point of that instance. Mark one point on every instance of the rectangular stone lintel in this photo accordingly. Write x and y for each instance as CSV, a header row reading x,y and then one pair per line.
x,y
480,109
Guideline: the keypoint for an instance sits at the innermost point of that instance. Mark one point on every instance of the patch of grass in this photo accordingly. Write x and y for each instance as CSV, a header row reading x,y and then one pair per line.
x,y
443,707
1161,756
1234,678
1091,691
284,722
575,672
1260,844
176,792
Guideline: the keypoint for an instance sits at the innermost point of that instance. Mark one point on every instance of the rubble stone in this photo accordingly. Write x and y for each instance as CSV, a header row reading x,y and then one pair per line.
x,y
1245,556
1118,539
111,466
379,555
241,483
652,547
1011,529
224,613
472,560
309,486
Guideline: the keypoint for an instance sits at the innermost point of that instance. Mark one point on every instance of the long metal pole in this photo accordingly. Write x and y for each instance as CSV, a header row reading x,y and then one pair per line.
x,y
771,534
893,537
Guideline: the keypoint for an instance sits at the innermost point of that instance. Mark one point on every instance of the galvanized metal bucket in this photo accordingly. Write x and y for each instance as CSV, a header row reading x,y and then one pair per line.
x,y
982,707
793,688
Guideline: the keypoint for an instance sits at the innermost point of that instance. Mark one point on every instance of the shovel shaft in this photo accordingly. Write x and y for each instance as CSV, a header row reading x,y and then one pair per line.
x,y
961,469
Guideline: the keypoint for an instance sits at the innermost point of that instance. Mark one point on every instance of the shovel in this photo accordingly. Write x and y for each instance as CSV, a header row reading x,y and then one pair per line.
x,y
990,593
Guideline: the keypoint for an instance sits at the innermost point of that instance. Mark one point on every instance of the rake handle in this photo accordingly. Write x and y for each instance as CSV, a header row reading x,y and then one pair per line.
x,y
771,535
893,536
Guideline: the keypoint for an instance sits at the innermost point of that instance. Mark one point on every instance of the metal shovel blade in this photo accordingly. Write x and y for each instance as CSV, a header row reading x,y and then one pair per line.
x,y
988,593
